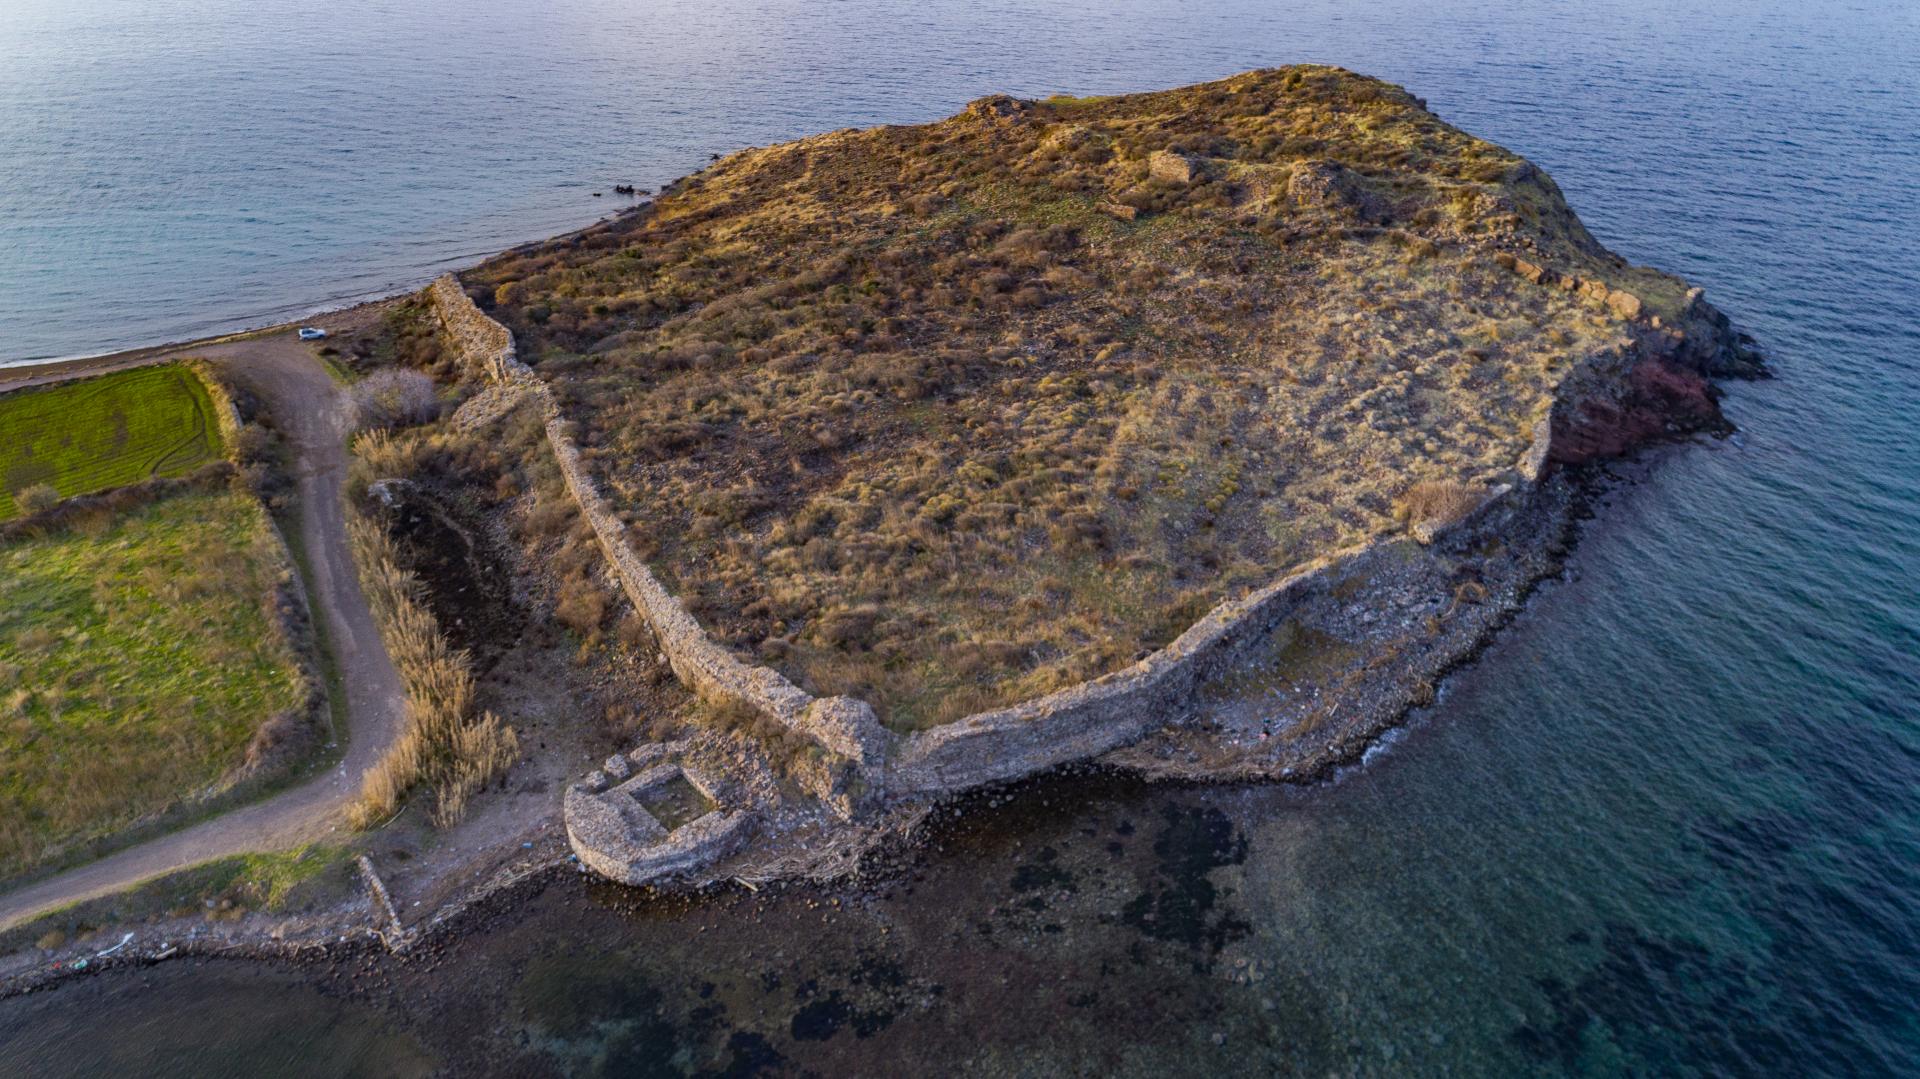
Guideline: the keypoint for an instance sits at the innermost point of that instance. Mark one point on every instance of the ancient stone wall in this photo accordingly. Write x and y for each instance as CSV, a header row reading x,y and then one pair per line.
x,y
842,725
1071,724
482,341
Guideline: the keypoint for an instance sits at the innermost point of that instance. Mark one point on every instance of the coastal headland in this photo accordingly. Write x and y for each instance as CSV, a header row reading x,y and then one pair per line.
x,y
1195,433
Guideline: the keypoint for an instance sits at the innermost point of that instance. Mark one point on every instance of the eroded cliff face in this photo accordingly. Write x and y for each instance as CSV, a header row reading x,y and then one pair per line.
x,y
1657,386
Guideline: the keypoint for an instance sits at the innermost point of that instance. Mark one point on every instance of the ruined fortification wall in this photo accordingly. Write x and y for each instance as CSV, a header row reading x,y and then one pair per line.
x,y
1114,710
483,342
842,725
1108,712
1075,723
1071,724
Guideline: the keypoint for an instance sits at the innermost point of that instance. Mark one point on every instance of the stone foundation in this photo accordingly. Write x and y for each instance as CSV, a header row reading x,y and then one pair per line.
x,y
617,836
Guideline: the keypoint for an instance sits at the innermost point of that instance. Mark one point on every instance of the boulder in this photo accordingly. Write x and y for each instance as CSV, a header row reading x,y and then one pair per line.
x,y
1625,304
999,108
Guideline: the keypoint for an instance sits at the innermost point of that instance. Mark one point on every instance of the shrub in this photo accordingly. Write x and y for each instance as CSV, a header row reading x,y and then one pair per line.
x,y
36,499
395,397
1437,502
582,606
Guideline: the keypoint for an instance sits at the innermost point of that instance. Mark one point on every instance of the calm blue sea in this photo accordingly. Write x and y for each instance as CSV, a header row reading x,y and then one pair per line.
x,y
1669,824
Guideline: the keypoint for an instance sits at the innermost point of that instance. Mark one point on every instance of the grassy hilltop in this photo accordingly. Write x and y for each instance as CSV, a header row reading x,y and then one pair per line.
x,y
949,415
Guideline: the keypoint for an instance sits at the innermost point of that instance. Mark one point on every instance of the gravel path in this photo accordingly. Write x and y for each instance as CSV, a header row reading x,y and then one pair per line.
x,y
313,413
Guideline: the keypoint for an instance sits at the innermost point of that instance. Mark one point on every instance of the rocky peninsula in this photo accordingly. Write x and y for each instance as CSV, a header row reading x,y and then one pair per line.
x,y
1194,433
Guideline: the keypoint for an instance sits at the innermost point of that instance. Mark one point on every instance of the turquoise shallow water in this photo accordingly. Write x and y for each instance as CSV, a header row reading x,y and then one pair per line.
x,y
1669,823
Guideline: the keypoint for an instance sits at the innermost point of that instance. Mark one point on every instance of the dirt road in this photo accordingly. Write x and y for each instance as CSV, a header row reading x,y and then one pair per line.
x,y
314,414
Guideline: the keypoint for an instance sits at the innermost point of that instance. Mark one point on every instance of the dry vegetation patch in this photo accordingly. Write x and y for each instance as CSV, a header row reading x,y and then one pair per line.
x,y
950,415
447,747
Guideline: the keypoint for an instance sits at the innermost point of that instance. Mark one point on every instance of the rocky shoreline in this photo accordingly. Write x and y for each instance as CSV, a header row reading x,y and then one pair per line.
x,y
354,932
1289,684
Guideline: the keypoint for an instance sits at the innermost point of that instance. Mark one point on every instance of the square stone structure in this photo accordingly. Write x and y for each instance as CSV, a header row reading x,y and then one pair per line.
x,y
613,818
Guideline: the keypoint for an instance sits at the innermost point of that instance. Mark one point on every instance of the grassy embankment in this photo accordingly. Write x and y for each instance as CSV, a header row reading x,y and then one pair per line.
x,y
221,890
80,437
950,415
145,660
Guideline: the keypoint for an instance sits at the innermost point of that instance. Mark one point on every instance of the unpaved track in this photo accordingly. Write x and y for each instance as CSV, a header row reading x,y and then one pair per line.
x,y
313,413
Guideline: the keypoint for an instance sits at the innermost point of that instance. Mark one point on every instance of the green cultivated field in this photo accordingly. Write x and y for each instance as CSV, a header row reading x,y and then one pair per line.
x,y
137,659
81,437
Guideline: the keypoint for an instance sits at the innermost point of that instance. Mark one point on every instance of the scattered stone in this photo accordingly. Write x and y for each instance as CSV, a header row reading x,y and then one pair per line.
x,y
999,108
1334,189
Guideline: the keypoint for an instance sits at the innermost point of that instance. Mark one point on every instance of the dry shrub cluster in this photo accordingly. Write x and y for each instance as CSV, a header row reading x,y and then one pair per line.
x,y
910,413
444,747
36,498
395,397
95,513
1437,502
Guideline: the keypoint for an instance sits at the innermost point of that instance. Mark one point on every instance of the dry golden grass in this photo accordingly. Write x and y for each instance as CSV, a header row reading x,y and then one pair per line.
x,y
1437,502
907,414
443,747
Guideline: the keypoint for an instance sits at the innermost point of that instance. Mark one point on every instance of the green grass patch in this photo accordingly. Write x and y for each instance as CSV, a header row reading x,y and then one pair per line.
x,y
86,436
138,657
